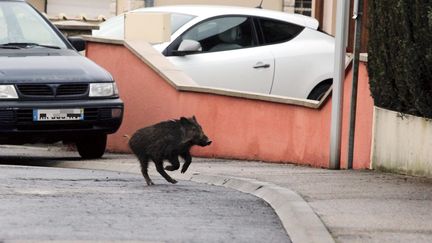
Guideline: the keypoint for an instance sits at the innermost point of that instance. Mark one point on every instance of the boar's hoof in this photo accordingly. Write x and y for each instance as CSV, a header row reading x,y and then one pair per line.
x,y
171,168
173,181
149,182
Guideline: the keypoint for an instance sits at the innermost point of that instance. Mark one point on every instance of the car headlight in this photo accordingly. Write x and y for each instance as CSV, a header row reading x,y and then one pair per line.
x,y
8,92
103,90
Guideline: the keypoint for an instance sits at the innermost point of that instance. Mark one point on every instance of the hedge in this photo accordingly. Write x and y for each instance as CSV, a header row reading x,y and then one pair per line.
x,y
400,55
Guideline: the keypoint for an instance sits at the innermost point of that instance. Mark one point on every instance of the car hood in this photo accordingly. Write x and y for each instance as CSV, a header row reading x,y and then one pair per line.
x,y
50,68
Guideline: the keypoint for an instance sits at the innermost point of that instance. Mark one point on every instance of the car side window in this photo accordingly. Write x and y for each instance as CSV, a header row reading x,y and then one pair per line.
x,y
275,31
222,34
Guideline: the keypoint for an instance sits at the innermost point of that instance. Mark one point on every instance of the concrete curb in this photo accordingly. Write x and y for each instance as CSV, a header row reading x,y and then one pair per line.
x,y
299,220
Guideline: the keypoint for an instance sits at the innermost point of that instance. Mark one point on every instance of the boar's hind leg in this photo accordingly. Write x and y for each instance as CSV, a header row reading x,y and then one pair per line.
x,y
175,164
160,169
144,166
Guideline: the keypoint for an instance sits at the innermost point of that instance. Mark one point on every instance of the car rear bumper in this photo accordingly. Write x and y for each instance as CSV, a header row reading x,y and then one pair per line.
x,y
17,125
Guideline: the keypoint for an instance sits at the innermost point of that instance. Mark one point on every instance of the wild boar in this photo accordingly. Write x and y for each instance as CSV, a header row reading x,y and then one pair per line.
x,y
166,141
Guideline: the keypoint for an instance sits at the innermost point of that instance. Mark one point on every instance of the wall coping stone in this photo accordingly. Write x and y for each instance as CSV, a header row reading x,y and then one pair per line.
x,y
182,82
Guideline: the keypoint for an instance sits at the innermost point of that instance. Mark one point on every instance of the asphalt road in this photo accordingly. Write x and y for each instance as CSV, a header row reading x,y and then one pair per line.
x,y
42,204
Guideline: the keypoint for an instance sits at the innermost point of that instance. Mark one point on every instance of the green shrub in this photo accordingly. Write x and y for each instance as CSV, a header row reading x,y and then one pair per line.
x,y
400,55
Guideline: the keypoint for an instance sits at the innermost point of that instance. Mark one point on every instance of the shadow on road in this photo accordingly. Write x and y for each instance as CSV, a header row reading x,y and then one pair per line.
x,y
46,155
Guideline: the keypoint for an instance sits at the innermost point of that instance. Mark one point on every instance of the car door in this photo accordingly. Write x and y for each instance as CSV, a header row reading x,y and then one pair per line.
x,y
303,57
229,56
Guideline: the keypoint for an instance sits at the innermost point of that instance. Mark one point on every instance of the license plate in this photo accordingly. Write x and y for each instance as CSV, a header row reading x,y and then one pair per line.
x,y
58,114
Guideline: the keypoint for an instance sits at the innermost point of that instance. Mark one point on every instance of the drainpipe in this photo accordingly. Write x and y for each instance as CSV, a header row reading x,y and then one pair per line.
x,y
339,76
148,3
357,16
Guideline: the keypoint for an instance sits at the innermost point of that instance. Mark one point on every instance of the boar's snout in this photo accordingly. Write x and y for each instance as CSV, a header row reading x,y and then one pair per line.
x,y
204,142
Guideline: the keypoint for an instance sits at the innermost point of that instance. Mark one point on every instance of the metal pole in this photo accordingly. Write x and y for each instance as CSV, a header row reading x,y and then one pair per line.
x,y
339,75
358,12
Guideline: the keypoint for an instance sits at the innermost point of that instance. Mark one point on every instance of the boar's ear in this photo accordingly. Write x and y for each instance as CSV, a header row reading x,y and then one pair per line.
x,y
194,118
184,120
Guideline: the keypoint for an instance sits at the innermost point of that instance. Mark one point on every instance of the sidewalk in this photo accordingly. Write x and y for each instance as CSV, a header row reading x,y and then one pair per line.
x,y
353,206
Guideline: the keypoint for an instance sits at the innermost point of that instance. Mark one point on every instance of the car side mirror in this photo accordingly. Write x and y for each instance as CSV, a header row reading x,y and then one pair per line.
x,y
77,42
188,47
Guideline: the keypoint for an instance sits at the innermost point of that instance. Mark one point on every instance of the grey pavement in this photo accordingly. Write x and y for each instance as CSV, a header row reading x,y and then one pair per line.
x,y
314,205
58,204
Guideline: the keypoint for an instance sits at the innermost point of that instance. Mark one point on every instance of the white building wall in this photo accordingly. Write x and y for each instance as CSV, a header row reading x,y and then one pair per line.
x,y
329,16
91,9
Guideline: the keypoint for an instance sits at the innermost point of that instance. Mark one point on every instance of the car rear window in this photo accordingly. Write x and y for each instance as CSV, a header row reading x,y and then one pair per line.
x,y
275,31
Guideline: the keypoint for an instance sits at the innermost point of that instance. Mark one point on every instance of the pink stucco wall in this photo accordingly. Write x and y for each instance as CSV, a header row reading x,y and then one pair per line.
x,y
240,128
364,120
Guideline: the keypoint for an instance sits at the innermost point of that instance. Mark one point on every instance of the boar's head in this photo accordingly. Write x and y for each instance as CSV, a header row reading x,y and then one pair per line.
x,y
193,132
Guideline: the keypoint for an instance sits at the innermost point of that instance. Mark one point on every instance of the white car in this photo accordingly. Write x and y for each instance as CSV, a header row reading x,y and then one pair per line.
x,y
245,49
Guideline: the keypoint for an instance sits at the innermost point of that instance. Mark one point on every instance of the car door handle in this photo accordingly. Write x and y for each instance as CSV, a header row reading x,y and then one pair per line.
x,y
261,65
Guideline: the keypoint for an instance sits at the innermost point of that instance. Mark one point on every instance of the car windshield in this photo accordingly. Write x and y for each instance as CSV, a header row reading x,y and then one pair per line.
x,y
22,27
114,27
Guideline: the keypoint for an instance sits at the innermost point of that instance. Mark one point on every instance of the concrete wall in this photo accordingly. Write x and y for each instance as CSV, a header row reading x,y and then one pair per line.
x,y
38,4
402,143
91,9
127,5
157,30
242,125
329,17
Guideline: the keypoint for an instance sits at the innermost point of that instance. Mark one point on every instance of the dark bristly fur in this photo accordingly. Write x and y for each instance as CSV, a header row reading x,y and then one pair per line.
x,y
166,141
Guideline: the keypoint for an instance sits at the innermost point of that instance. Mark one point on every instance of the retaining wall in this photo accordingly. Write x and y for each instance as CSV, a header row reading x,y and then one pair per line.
x,y
241,125
402,143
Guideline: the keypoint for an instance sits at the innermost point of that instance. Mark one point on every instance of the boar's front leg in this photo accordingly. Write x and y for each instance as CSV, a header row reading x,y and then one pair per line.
x,y
144,166
160,169
175,164
188,160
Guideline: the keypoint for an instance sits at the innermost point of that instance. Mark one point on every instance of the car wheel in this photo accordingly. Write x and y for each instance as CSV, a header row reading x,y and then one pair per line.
x,y
92,146
319,91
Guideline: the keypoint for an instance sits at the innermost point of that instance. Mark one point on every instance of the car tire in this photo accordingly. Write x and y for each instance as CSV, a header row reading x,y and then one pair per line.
x,y
92,146
319,91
